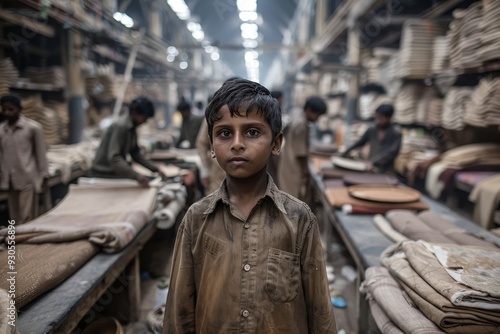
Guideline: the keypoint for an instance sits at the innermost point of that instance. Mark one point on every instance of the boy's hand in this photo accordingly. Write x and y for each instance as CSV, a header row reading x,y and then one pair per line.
x,y
162,175
143,181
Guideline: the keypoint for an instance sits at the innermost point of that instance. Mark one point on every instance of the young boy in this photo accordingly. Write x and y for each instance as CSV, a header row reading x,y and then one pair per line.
x,y
293,172
383,138
23,160
248,257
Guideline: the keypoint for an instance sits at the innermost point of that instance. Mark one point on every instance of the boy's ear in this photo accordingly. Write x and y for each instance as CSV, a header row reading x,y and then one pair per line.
x,y
212,152
278,141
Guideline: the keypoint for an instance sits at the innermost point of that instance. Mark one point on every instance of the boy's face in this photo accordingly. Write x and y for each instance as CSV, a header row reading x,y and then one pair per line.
x,y
137,118
243,145
10,111
382,121
311,116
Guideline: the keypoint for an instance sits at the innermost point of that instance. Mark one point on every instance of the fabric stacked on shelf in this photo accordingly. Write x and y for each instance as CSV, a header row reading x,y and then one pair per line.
x,y
49,119
425,113
483,108
8,75
417,44
440,54
467,157
415,148
486,196
61,109
438,287
406,103
63,159
455,107
104,88
50,75
490,35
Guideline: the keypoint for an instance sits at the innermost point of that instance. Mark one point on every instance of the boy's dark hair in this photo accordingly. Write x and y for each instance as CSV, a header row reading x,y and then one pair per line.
x,y
12,99
276,94
316,104
142,106
242,97
386,110
183,105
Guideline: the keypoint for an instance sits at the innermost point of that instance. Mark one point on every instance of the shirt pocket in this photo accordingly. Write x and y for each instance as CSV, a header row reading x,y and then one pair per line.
x,y
213,246
283,276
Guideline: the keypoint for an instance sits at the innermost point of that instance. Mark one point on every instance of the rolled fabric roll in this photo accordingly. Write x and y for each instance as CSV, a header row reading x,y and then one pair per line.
x,y
167,216
165,196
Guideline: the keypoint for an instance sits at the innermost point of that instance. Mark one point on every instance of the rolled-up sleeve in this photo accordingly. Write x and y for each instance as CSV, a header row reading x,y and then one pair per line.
x,y
181,302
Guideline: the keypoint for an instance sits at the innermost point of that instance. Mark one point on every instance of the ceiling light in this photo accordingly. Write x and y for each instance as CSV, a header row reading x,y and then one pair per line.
x,y
250,43
192,26
249,34
172,50
209,49
117,16
251,56
205,44
170,58
199,35
183,65
247,5
248,16
215,56
180,8
249,27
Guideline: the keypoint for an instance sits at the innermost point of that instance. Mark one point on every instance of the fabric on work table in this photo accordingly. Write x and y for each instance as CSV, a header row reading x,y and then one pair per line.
x,y
40,268
109,216
337,173
435,306
448,176
486,196
408,224
370,179
5,328
473,178
385,227
340,196
384,324
427,266
450,230
388,294
432,184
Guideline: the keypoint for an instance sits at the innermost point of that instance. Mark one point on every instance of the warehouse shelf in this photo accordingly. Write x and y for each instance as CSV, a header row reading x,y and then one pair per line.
x,y
42,87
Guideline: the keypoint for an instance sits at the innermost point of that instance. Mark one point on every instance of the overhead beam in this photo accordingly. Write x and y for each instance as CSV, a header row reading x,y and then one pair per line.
x,y
28,23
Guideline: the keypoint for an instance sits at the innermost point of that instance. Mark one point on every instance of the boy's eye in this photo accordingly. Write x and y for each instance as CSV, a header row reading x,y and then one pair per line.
x,y
253,132
224,133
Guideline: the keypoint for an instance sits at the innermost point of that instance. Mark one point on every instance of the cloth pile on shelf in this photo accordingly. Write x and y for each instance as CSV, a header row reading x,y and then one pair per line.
x,y
435,288
8,75
51,75
417,44
336,106
104,88
490,35
415,148
429,107
61,109
50,120
455,107
406,103
400,225
483,108
468,157
63,159
486,196
440,56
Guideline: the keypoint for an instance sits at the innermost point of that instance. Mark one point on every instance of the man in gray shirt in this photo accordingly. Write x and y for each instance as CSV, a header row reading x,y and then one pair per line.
x,y
384,140
119,141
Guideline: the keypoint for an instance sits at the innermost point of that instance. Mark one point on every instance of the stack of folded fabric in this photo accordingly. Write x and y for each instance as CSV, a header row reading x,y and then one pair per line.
x,y
435,111
61,109
486,197
8,75
63,158
468,157
483,108
440,54
51,75
336,106
436,288
412,147
417,44
428,226
406,102
453,35
104,88
424,113
34,109
490,36
455,106
470,36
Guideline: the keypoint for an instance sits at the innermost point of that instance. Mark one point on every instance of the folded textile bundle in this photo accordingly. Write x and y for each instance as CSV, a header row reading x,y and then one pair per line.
x,y
41,268
486,196
62,158
440,56
455,107
429,107
415,148
483,109
52,75
406,102
109,216
8,74
396,310
490,35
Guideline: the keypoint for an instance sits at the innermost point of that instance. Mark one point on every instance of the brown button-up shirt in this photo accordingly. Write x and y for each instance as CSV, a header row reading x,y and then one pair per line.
x,y
264,274
23,155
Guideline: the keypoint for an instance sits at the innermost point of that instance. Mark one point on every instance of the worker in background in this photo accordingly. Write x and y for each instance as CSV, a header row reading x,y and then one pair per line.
x,y
384,140
272,166
23,157
190,126
119,141
293,172
248,258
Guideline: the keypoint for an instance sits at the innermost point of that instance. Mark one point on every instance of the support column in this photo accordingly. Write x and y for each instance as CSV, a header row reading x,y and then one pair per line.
x,y
321,8
155,20
75,86
354,58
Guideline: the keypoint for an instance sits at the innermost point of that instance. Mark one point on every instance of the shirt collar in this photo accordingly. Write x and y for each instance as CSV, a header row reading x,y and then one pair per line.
x,y
272,192
21,122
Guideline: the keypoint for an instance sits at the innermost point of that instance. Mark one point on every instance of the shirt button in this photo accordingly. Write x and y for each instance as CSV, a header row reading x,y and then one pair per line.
x,y
245,313
246,267
246,225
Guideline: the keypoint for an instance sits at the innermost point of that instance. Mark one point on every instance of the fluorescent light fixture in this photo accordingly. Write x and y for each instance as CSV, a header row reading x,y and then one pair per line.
x,y
180,8
249,27
215,56
183,65
172,50
251,56
249,34
205,43
252,64
250,43
170,58
117,16
209,49
248,16
193,26
199,35
247,5
124,19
